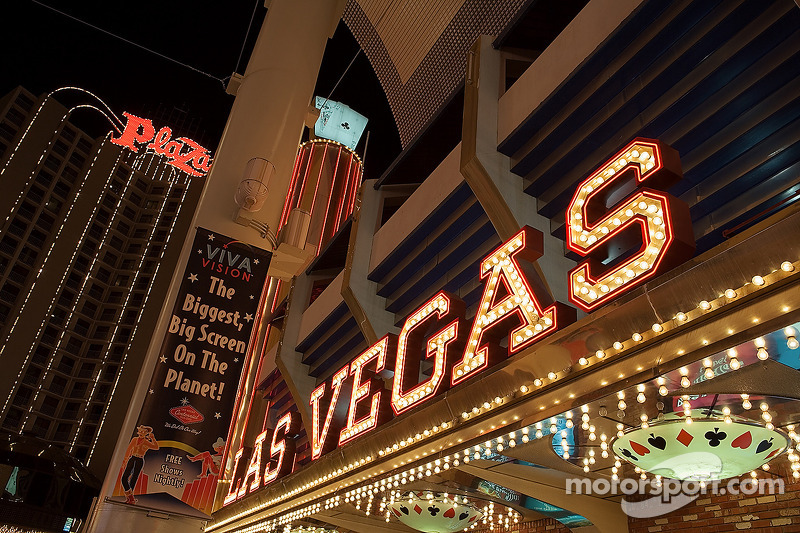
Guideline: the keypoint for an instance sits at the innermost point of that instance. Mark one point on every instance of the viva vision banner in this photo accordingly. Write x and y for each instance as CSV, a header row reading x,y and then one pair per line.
x,y
173,459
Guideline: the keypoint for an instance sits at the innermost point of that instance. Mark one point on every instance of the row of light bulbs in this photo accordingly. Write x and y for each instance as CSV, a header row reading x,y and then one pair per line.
x,y
619,346
175,177
764,408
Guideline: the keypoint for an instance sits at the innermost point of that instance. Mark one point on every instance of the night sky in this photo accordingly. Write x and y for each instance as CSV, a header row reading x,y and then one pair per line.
x,y
43,50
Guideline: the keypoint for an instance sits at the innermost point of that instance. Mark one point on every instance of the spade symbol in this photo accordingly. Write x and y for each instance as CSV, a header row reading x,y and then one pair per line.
x,y
433,510
404,509
715,437
628,454
657,442
463,515
764,445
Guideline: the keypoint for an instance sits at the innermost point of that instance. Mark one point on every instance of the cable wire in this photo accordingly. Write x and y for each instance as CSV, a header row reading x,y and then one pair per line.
x,y
159,54
246,35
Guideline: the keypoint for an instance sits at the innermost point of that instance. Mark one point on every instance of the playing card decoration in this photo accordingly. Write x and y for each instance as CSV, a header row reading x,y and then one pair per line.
x,y
434,513
707,449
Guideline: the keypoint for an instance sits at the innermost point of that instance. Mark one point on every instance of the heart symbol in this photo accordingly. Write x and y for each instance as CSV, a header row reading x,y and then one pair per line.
x,y
773,453
743,441
638,448
450,513
657,442
764,445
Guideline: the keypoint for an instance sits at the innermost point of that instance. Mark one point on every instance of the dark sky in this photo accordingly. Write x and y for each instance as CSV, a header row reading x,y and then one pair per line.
x,y
43,50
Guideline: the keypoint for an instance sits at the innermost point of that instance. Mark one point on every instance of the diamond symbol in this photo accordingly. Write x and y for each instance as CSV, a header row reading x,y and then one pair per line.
x,y
684,438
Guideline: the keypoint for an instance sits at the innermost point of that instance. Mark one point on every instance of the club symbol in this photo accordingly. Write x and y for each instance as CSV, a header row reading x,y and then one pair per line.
x,y
715,437
657,442
626,452
433,510
764,445
345,125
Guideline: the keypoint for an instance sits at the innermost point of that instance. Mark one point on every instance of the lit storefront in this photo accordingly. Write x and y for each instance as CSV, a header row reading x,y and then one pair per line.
x,y
598,283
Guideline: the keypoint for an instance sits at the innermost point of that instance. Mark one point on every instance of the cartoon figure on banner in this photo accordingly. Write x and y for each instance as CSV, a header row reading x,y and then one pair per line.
x,y
211,463
134,459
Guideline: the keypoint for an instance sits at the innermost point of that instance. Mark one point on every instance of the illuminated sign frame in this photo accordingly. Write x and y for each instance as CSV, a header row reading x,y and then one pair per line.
x,y
510,306
593,227
182,153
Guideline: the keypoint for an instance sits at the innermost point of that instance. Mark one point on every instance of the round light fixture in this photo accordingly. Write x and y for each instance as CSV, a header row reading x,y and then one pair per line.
x,y
710,448
434,512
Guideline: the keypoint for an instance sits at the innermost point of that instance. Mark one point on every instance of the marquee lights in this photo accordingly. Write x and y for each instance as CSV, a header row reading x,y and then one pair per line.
x,y
502,267
233,492
445,308
524,435
319,438
282,448
182,153
254,468
378,352
436,309
593,229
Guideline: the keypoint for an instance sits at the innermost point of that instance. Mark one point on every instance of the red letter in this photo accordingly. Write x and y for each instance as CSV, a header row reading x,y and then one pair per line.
x,y
197,156
320,443
233,488
600,231
514,297
281,452
381,352
132,133
412,347
254,468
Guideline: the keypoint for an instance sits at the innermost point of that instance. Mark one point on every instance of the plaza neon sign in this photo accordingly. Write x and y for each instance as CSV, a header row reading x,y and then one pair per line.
x,y
182,153
622,196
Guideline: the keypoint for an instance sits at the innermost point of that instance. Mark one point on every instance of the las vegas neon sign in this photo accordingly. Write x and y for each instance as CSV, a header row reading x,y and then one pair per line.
x,y
182,153
600,218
